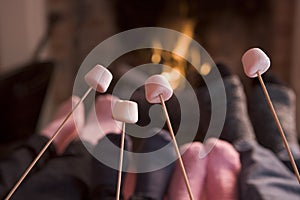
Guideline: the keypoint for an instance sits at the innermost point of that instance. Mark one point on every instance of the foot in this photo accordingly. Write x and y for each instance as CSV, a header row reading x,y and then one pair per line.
x,y
104,178
223,168
70,130
100,121
153,185
284,101
237,124
195,166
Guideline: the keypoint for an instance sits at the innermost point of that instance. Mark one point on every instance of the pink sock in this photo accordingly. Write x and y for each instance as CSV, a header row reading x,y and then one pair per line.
x,y
70,130
129,185
223,167
100,121
195,167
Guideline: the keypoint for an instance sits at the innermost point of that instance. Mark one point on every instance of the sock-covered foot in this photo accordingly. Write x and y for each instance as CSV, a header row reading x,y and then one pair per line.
x,y
237,124
104,178
284,101
195,166
223,167
100,121
70,130
153,185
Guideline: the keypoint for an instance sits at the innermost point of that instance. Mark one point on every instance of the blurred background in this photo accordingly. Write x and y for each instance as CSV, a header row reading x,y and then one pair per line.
x,y
43,43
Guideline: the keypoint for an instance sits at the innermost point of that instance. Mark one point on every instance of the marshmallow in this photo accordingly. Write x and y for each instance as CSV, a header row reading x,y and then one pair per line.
x,y
99,78
255,60
157,85
125,111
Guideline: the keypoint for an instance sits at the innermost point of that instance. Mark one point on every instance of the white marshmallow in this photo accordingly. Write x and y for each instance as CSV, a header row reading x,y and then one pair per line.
x,y
157,85
255,60
98,78
125,111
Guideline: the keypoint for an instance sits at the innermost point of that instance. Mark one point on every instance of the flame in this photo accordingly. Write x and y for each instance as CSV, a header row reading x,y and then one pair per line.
x,y
183,43
175,75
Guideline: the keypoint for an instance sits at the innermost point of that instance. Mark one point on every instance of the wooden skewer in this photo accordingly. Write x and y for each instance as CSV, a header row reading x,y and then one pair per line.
x,y
279,126
12,191
120,163
176,147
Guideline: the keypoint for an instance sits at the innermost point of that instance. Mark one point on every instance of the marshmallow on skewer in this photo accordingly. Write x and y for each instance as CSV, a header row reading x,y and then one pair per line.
x,y
255,63
125,111
159,90
157,85
255,60
98,78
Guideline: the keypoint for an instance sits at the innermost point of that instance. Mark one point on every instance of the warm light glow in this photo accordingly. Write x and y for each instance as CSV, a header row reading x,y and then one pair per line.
x,y
155,58
156,52
156,44
195,57
205,69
